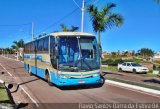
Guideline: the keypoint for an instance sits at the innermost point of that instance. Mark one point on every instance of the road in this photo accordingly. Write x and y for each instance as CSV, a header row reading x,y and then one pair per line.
x,y
46,95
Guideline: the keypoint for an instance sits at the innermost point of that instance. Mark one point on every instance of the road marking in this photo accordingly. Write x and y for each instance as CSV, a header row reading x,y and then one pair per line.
x,y
34,101
6,70
1,81
132,89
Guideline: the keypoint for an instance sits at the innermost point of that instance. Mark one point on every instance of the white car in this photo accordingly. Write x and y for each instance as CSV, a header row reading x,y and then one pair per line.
x,y
132,67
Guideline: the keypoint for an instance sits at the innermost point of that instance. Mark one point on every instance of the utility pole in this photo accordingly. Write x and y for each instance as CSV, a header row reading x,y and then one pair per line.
x,y
2,51
82,22
32,31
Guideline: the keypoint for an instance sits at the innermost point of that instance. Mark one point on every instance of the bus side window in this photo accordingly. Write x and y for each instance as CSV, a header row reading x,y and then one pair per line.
x,y
52,44
40,45
52,52
45,44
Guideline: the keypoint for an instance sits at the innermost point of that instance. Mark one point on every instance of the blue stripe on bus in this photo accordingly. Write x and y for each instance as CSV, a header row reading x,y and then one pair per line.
x,y
63,81
73,81
37,71
80,81
38,57
80,74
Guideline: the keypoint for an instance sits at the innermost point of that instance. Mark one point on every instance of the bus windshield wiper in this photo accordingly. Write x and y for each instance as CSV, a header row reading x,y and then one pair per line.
x,y
80,56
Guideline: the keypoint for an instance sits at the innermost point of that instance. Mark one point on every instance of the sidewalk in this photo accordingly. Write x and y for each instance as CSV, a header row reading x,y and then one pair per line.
x,y
154,81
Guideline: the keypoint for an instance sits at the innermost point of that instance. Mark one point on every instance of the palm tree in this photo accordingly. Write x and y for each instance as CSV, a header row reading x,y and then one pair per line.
x,y
104,19
66,29
74,28
18,44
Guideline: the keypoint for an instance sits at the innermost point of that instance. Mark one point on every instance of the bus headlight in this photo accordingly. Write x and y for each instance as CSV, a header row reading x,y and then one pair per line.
x,y
64,76
95,75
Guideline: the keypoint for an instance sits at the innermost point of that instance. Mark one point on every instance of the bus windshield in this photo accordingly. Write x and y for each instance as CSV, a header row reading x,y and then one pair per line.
x,y
78,54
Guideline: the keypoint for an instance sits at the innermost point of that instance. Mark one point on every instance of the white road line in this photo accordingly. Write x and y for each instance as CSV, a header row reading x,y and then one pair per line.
x,y
2,82
6,70
34,101
30,96
133,89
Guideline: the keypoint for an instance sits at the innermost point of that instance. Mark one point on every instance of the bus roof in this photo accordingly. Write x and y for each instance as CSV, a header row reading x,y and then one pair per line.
x,y
57,34
71,34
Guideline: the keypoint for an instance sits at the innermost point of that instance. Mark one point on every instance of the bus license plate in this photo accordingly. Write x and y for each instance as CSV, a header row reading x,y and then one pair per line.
x,y
81,82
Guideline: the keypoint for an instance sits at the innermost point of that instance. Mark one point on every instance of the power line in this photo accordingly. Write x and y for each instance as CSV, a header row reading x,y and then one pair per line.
x,y
16,25
69,14
77,4
92,1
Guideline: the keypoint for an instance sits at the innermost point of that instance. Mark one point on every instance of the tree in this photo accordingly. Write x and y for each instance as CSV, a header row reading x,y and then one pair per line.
x,y
18,44
104,19
66,29
146,52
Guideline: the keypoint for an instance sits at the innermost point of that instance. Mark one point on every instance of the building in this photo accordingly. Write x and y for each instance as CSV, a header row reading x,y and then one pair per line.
x,y
157,55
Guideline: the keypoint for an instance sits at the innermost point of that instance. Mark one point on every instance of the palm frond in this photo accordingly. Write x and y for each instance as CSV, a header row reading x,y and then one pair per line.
x,y
64,28
74,28
104,19
108,8
92,10
114,20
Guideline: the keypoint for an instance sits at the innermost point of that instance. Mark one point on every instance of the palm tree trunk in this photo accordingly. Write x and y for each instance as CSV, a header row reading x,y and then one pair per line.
x,y
99,39
100,49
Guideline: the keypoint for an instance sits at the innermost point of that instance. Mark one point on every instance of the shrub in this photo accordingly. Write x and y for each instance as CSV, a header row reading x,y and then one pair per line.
x,y
156,67
104,62
118,61
115,62
109,61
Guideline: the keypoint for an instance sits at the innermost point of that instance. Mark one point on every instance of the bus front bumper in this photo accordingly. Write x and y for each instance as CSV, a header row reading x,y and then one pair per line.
x,y
78,81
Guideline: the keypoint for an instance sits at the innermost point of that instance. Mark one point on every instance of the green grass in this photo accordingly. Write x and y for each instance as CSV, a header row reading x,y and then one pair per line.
x,y
3,93
4,99
149,74
158,62
134,83
115,57
110,68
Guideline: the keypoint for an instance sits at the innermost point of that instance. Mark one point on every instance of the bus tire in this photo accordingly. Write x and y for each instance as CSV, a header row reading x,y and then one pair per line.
x,y
29,70
102,81
47,78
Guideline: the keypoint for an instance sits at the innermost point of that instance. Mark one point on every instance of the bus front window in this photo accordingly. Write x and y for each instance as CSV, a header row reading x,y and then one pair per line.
x,y
78,54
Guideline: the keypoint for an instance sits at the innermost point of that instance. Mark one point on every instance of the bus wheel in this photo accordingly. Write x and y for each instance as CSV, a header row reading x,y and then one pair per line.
x,y
102,81
48,79
29,70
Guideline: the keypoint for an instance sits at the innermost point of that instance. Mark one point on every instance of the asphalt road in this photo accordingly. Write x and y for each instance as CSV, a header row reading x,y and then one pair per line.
x,y
46,95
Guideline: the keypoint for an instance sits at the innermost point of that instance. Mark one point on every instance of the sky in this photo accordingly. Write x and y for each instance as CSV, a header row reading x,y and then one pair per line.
x,y
141,28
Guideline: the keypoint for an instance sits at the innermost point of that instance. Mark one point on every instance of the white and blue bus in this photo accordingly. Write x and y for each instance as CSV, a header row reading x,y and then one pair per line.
x,y
64,58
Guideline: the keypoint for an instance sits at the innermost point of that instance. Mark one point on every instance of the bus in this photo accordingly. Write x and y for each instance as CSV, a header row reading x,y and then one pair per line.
x,y
64,58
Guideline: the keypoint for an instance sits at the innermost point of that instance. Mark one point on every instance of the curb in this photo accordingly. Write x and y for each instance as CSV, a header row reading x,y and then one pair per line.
x,y
152,91
5,107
